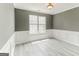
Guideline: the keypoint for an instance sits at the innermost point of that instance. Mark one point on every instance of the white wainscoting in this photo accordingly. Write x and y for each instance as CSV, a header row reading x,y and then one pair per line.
x,y
9,46
71,37
24,36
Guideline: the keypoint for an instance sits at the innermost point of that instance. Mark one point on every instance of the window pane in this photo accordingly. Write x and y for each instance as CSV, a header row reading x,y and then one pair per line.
x,y
42,20
32,19
33,29
42,28
37,24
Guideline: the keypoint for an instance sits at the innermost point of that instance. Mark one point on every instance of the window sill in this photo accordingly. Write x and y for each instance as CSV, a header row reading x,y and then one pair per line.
x,y
37,33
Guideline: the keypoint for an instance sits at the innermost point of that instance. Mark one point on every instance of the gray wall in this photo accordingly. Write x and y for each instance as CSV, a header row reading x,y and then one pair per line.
x,y
6,22
68,20
22,19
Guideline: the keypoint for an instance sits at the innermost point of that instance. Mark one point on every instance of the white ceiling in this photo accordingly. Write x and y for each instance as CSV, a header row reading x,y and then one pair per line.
x,y
42,7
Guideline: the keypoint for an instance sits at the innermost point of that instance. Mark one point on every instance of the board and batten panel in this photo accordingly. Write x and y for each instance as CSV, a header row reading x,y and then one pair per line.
x,y
6,22
66,26
22,26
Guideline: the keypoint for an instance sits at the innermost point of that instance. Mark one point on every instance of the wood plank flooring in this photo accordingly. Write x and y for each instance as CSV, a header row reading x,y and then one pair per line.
x,y
47,47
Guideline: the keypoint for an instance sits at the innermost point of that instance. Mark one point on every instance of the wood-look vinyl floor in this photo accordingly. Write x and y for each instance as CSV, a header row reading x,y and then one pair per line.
x,y
47,47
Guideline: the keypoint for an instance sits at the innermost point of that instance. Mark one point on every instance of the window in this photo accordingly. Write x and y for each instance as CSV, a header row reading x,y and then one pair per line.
x,y
37,24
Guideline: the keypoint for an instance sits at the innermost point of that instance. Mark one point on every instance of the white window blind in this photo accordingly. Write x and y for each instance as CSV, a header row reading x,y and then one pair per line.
x,y
37,24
